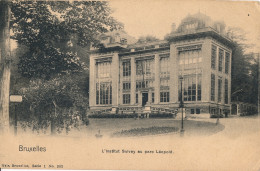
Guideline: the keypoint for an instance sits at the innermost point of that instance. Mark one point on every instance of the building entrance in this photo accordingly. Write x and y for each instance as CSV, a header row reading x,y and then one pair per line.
x,y
144,98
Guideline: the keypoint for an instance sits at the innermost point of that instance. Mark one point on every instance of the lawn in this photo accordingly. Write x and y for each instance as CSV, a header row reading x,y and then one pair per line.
x,y
131,127
111,126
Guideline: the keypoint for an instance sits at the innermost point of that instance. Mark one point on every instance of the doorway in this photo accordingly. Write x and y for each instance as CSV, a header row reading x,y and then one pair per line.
x,y
144,98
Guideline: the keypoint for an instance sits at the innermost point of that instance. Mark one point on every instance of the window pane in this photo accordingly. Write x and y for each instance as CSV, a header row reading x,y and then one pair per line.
x,y
104,93
220,59
127,68
227,61
213,57
212,87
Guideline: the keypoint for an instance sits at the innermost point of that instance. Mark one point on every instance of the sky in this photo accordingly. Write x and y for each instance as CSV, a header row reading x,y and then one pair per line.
x,y
155,17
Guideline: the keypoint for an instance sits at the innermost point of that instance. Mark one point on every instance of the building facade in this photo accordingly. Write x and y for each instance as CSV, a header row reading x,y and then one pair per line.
x,y
131,77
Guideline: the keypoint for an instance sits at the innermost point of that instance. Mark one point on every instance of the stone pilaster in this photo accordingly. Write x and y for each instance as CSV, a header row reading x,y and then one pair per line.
x,y
133,81
174,74
92,81
149,96
115,79
156,79
206,67
140,95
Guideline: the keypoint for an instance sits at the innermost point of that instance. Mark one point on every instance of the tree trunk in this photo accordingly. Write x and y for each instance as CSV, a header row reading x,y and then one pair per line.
x,y
258,85
5,61
53,127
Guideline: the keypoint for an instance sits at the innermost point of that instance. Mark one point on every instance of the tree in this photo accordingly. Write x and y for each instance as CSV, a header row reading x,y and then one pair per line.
x,y
56,103
244,69
43,26
238,35
58,35
5,62
148,38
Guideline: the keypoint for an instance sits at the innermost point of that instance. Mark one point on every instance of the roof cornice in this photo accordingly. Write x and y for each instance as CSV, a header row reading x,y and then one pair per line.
x,y
199,33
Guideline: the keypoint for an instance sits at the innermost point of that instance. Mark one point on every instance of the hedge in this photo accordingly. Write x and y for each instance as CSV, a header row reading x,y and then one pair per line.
x,y
217,116
133,115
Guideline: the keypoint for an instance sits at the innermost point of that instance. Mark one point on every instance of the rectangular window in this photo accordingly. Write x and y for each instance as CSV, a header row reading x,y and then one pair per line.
x,y
127,68
164,82
126,99
213,56
197,110
104,93
220,60
164,66
144,84
97,93
227,61
190,60
126,86
164,97
191,87
219,89
110,94
152,97
103,69
212,87
226,91
199,88
139,68
145,67
148,67
136,98
138,84
191,111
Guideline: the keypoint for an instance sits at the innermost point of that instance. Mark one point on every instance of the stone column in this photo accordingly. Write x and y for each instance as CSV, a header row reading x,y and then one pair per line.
x,y
133,81
156,79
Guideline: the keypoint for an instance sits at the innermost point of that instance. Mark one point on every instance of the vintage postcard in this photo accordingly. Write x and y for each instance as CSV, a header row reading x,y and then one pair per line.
x,y
130,85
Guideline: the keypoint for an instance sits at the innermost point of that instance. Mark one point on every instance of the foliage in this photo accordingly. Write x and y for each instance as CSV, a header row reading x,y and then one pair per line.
x,y
217,116
56,36
132,115
238,35
161,115
148,38
244,70
44,25
58,101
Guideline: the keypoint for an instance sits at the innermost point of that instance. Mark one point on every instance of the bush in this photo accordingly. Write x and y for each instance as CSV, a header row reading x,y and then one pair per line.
x,y
162,115
132,115
216,116
113,116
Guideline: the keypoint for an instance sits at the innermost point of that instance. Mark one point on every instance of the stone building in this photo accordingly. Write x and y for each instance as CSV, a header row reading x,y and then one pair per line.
x,y
128,76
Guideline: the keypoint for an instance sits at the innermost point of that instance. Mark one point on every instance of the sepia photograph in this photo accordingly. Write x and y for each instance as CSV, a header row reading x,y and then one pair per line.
x,y
130,85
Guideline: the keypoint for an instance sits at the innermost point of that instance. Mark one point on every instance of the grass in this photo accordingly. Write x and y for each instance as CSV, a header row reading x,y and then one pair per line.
x,y
129,126
145,131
